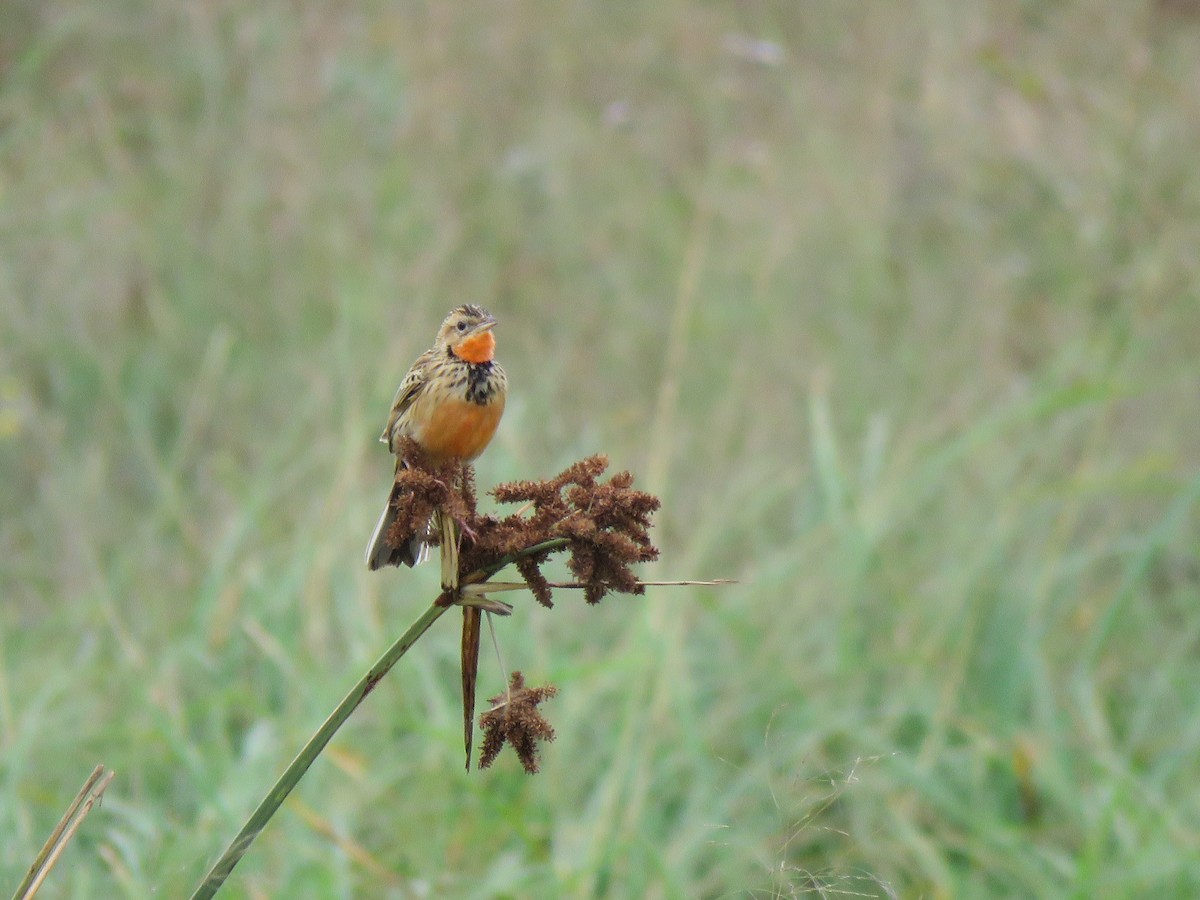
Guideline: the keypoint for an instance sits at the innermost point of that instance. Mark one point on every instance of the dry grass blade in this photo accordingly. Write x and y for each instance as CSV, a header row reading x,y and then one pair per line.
x,y
472,622
450,535
93,788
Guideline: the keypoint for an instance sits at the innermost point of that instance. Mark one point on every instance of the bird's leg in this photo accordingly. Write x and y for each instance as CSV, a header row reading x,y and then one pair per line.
x,y
466,530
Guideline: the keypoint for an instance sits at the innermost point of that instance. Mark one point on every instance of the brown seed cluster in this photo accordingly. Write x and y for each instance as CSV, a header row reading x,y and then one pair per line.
x,y
605,525
514,719
421,487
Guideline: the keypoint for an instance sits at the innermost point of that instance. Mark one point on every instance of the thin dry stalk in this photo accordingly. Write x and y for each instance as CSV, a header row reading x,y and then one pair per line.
x,y
89,795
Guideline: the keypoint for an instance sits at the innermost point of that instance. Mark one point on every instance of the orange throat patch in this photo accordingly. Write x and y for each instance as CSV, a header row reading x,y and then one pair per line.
x,y
478,348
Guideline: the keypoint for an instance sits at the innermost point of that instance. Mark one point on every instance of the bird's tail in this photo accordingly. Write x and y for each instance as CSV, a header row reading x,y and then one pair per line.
x,y
381,552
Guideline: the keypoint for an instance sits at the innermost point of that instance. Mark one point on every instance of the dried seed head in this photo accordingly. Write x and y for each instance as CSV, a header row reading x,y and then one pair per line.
x,y
606,525
514,719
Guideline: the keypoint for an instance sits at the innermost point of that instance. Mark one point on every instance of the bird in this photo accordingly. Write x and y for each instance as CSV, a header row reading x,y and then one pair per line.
x,y
450,404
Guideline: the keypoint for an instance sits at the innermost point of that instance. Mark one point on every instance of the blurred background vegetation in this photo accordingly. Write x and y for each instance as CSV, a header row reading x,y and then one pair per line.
x,y
895,305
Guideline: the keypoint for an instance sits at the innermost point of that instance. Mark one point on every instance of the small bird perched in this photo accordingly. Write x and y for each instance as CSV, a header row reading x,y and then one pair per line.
x,y
450,403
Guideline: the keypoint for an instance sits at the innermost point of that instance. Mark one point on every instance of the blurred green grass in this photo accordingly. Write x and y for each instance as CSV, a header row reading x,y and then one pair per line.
x,y
896,307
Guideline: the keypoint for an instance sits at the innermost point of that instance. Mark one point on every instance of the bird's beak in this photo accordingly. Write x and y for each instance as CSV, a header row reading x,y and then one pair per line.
x,y
485,325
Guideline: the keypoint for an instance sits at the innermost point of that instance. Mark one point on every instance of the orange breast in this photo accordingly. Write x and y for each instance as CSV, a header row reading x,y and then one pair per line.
x,y
459,429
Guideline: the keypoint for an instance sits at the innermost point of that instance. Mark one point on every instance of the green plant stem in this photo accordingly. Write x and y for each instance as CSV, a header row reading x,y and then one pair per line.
x,y
488,571
258,819
220,871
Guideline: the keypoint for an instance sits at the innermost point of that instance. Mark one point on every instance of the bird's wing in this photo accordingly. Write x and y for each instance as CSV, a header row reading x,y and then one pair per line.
x,y
410,388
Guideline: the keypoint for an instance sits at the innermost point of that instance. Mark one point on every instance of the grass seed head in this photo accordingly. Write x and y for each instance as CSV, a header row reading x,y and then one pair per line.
x,y
514,719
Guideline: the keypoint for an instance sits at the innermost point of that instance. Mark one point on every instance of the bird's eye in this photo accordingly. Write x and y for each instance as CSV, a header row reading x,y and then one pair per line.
x,y
462,326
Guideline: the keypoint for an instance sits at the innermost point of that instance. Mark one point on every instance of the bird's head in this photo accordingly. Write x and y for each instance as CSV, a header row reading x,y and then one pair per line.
x,y
467,333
